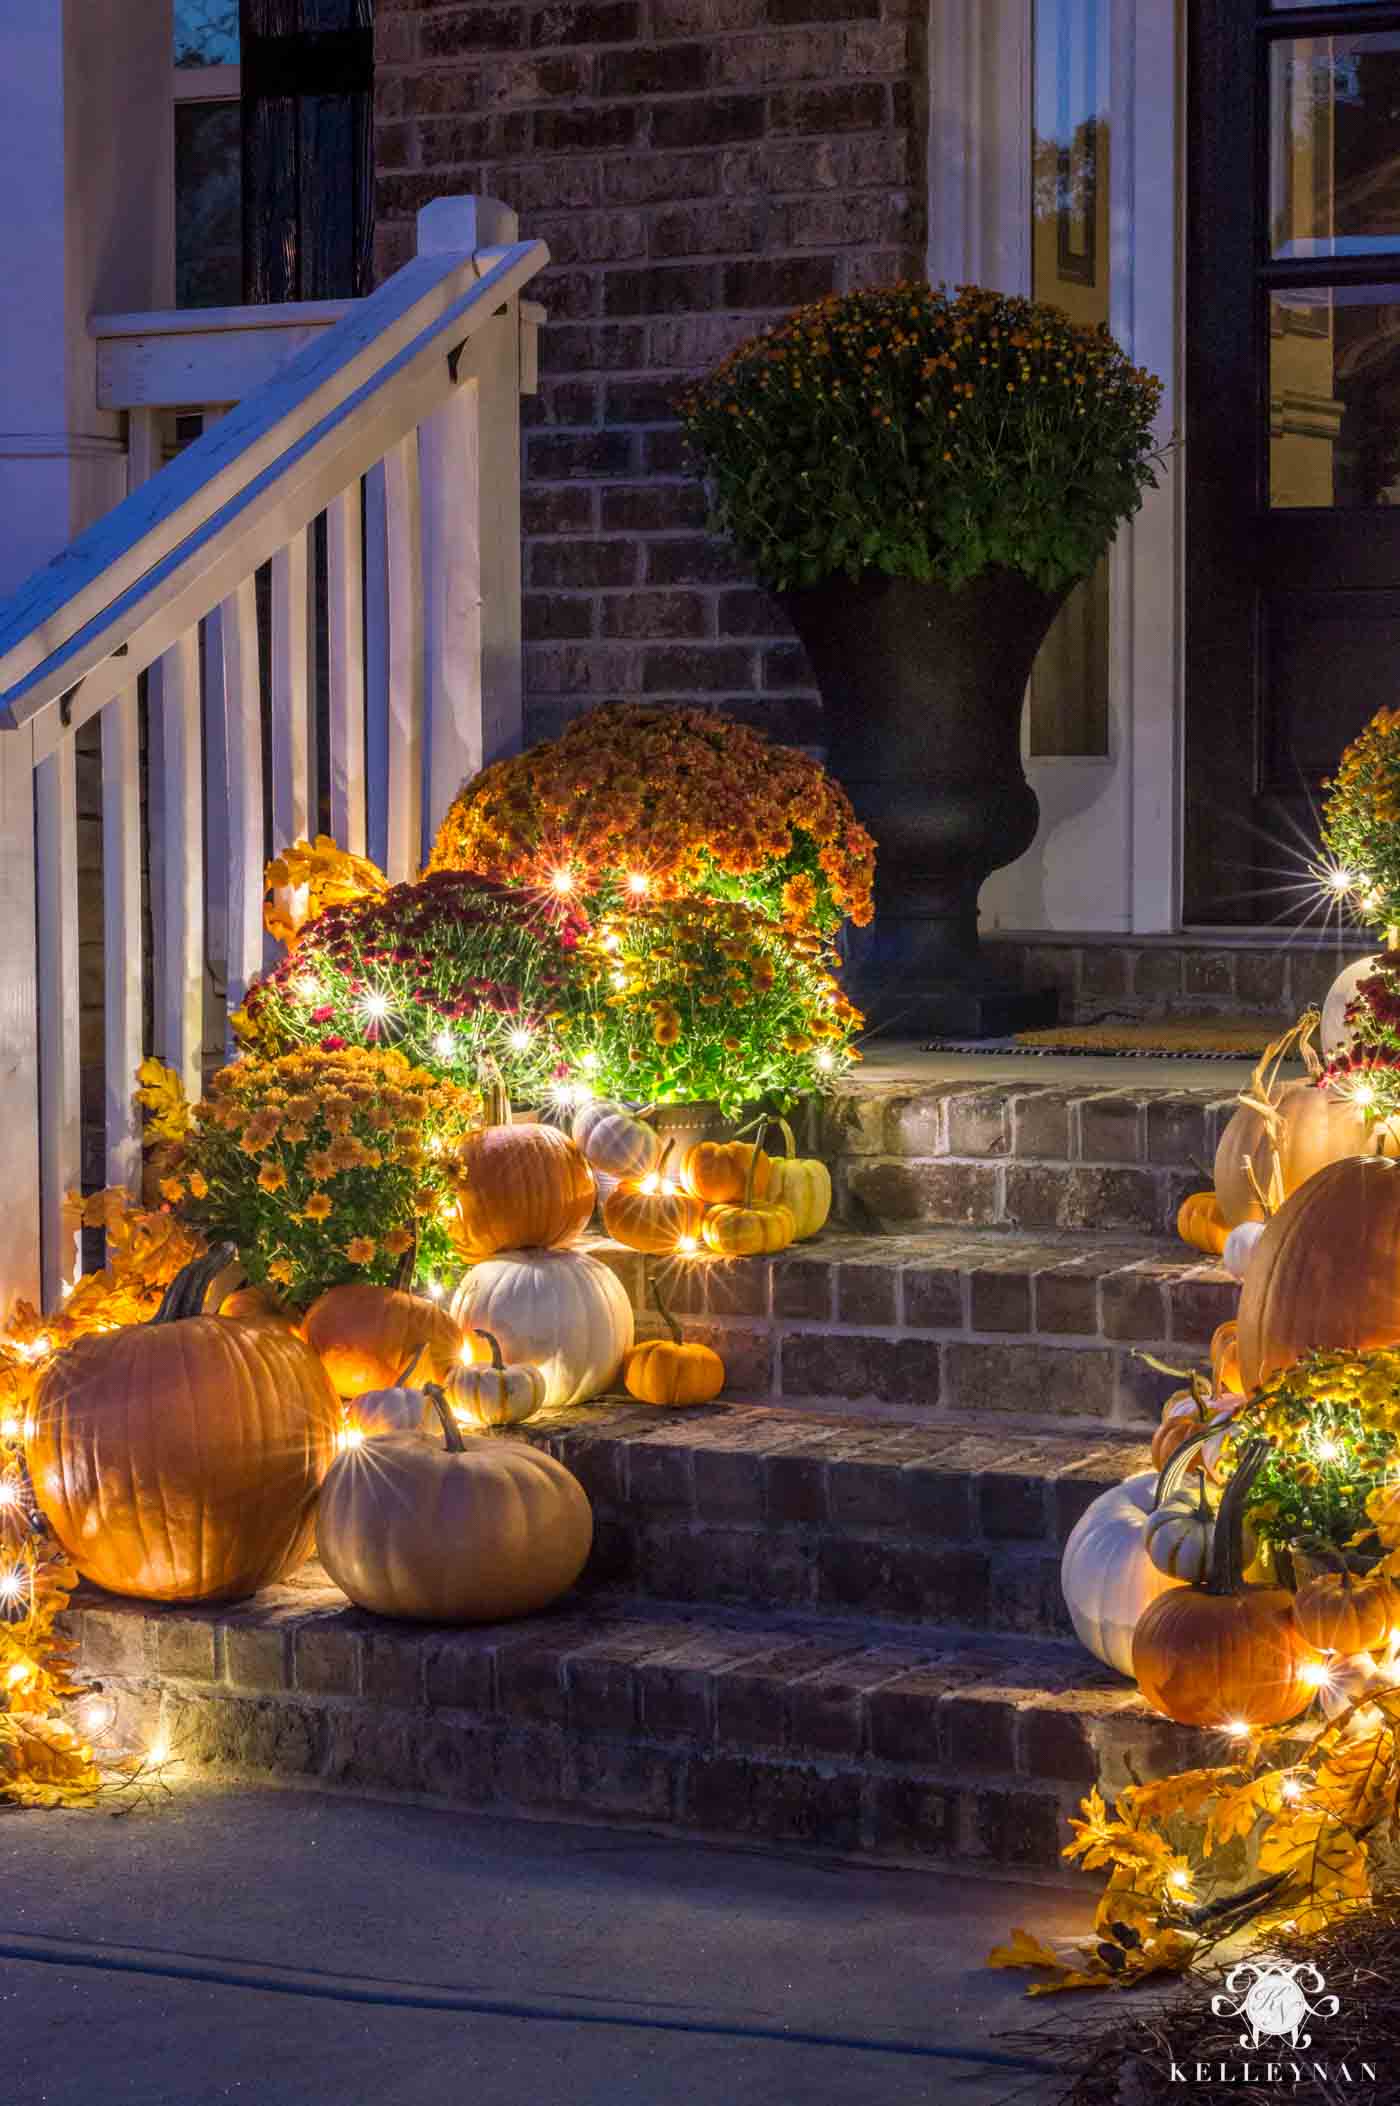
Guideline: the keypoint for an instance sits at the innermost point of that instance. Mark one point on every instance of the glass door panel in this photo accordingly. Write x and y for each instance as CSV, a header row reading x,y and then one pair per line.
x,y
1334,173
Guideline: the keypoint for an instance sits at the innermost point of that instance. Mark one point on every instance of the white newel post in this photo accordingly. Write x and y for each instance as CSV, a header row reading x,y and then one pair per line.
x,y
86,171
469,469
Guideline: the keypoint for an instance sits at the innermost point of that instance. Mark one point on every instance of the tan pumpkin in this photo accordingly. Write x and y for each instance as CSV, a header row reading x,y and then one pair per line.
x,y
1224,1654
668,1371
179,1460
519,1187
722,1172
558,1310
494,1394
473,1530
1283,1133
1342,1612
365,1334
652,1213
615,1141
1327,1270
801,1183
749,1228
1182,1523
1201,1223
1225,1359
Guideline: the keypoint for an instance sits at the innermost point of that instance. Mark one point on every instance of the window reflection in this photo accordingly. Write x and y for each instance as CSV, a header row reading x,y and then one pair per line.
x,y
1334,396
1070,269
1334,166
206,32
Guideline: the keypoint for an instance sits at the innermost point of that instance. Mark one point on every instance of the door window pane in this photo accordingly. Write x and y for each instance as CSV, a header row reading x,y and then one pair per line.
x,y
1334,178
1070,269
206,32
1334,396
208,205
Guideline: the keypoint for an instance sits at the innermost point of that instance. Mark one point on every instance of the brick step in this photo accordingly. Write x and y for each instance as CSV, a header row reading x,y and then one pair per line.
x,y
1035,1330
908,1745
1014,1154
751,1507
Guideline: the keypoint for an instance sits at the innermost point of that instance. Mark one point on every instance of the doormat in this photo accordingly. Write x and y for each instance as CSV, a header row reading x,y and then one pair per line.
x,y
1126,1038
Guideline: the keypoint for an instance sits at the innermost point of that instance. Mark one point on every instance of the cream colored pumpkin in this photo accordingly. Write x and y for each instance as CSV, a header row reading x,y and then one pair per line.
x,y
1179,1531
800,1183
471,1529
614,1140
495,1395
1106,1576
558,1310
399,1409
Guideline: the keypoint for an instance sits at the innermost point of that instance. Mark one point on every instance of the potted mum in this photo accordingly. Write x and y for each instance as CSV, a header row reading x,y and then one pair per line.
x,y
919,477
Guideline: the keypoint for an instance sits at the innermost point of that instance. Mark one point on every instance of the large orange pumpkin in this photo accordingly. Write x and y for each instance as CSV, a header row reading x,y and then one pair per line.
x,y
180,1460
365,1335
652,1213
1285,1132
1326,1272
519,1188
1224,1654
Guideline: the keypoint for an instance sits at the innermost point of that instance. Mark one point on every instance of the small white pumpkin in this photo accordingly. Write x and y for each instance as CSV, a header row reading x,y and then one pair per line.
x,y
557,1310
1106,1575
1239,1247
1333,1032
494,1395
614,1139
376,1413
1180,1530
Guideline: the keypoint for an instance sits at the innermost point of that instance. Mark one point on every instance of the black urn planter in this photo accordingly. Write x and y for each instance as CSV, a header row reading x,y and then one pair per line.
x,y
922,689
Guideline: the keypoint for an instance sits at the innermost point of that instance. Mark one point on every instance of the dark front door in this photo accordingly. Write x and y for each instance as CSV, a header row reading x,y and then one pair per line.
x,y
307,87
1292,457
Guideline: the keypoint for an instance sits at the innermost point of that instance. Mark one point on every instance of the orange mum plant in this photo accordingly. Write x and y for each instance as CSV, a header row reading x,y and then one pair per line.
x,y
633,804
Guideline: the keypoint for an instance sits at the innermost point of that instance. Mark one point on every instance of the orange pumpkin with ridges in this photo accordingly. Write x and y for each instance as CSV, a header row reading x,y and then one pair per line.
x,y
1326,1271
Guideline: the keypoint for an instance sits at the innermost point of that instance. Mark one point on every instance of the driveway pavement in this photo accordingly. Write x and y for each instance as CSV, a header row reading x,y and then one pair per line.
x,y
289,1949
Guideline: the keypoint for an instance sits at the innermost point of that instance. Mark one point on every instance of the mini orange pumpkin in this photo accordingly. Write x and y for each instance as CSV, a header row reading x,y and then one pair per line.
x,y
720,1172
751,1227
1200,1222
651,1212
1225,1359
668,1371
180,1460
1339,1612
364,1334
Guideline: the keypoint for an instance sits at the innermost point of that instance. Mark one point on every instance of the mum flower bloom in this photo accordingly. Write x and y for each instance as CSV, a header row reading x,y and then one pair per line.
x,y
361,1250
272,1177
317,1207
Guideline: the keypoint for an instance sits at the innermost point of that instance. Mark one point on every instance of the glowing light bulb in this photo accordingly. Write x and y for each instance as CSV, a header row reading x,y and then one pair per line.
x,y
159,1751
376,1006
1338,880
23,1671
96,1715
444,1045
1238,1728
519,1040
563,882
10,1429
9,1492
1328,1451
637,884
350,1437
686,1246
619,979
1291,1790
588,1062
435,1290
12,1583
612,942
1363,1093
668,1189
651,1183
466,1355
1179,1877
1315,1674
826,1060
306,988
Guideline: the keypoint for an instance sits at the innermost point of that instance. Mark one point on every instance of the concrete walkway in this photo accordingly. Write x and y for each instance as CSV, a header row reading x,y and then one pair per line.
x,y
286,1949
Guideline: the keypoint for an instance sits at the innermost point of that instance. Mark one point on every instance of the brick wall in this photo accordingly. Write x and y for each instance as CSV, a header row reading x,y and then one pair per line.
x,y
697,167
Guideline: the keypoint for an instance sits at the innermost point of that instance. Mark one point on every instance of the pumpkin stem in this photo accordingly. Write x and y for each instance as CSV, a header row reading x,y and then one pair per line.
x,y
403,1276
494,1343
451,1431
1174,1469
666,1317
186,1293
753,1173
659,1166
495,1098
1226,1574
407,1369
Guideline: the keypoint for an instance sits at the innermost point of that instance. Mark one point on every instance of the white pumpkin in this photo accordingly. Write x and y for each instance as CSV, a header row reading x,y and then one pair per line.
x,y
1333,1031
558,1310
1106,1575
614,1140
1239,1247
1179,1533
376,1413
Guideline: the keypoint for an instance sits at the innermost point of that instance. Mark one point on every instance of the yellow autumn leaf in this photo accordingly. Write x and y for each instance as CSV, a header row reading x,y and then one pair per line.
x,y
1236,1812
161,1095
1184,1794
1023,1949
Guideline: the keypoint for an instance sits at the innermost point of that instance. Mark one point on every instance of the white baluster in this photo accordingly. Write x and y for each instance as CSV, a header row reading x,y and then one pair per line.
x,y
345,625
406,847
289,682
238,627
60,1125
123,977
180,947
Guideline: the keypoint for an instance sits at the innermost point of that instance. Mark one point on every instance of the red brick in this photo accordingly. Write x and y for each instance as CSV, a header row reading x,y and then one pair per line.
x,y
910,1817
326,1653
552,615
458,1669
576,23
663,288
188,1645
684,669
554,455
645,179
686,561
653,614
392,1670
640,402
471,29
653,69
591,129
657,508
580,564
255,1657
708,120
852,108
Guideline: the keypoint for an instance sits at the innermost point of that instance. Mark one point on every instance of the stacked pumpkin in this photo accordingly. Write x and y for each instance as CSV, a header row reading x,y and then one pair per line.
x,y
731,1197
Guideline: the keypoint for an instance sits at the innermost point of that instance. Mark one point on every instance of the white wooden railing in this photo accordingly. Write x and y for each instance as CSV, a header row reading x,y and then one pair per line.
x,y
398,423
